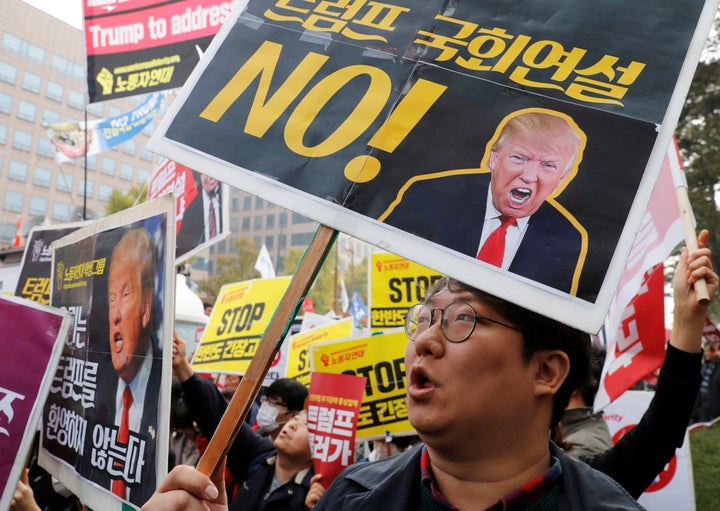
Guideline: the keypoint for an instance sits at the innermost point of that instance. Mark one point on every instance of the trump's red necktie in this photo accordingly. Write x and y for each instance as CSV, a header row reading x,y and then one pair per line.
x,y
118,485
493,250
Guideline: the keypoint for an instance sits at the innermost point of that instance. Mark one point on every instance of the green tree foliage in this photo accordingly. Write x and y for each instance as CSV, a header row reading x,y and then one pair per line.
x,y
234,268
698,134
120,200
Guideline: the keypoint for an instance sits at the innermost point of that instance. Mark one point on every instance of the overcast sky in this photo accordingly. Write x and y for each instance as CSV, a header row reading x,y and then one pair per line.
x,y
70,11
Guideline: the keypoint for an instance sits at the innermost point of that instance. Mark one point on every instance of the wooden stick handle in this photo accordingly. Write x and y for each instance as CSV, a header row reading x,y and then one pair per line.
x,y
700,286
251,382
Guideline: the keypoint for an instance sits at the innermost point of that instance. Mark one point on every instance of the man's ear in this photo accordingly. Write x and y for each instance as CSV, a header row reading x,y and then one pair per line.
x,y
553,367
492,160
146,309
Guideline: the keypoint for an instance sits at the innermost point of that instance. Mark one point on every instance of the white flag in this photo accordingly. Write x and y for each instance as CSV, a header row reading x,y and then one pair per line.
x,y
344,300
264,264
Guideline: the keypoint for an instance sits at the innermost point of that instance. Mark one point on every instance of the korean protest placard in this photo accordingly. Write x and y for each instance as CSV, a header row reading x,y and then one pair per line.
x,y
298,351
111,387
332,416
386,122
381,359
36,267
201,213
33,336
146,45
240,316
396,283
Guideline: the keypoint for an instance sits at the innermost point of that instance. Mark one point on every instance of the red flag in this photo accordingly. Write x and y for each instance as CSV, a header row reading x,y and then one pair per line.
x,y
17,242
308,305
628,334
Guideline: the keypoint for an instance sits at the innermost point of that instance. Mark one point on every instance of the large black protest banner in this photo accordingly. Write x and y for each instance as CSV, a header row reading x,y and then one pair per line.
x,y
381,120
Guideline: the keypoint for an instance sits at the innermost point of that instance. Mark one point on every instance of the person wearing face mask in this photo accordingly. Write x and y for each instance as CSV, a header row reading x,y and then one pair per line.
x,y
284,399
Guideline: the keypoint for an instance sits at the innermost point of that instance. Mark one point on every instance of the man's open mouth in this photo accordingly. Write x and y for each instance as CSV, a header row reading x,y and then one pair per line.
x,y
520,196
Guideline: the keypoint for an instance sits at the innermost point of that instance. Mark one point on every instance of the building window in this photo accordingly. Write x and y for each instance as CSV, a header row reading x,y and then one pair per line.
x,y
5,103
257,222
95,109
76,99
108,166
18,170
143,175
22,140
42,177
246,223
3,134
8,73
51,116
67,67
27,111
38,206
222,247
247,203
259,203
92,162
11,43
54,91
282,241
301,239
31,82
269,221
127,171
64,182
104,192
299,219
235,204
130,147
82,190
234,224
45,148
269,242
7,231
61,211
13,201
146,154
23,48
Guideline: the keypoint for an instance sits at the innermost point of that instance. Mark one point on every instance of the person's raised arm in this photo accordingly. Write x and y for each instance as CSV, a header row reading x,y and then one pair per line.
x,y
688,314
180,364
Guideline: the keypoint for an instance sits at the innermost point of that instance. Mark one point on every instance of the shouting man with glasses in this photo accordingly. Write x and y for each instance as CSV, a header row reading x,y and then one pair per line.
x,y
486,382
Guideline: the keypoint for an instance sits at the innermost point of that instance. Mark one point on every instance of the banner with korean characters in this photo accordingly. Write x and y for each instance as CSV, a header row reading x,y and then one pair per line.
x,y
332,415
146,45
298,364
201,214
238,321
33,336
396,283
381,359
105,429
36,266
384,121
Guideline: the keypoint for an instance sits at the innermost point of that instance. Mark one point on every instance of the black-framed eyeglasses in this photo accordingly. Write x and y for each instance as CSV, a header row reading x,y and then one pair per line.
x,y
457,321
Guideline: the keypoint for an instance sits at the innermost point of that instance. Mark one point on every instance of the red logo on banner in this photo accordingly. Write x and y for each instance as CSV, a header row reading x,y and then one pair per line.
x,y
640,347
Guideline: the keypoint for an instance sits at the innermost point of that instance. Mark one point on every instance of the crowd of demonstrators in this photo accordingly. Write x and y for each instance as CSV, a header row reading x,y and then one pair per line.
x,y
270,469
707,403
500,377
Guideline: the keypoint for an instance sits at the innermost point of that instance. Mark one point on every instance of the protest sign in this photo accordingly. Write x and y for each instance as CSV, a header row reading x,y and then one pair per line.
x,y
106,420
32,338
298,365
381,359
77,139
238,321
396,284
673,487
36,267
201,206
332,416
353,116
146,45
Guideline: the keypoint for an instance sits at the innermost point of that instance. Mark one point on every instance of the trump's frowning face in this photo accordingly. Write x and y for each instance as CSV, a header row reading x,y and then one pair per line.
x,y
525,171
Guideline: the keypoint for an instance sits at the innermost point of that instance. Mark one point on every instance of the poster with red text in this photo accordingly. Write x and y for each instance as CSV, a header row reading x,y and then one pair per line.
x,y
333,407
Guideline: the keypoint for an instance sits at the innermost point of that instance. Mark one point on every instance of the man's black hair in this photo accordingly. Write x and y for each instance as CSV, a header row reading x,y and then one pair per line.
x,y
290,392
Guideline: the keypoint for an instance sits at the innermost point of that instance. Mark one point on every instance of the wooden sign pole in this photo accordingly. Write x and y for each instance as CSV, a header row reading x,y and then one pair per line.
x,y
700,286
252,380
